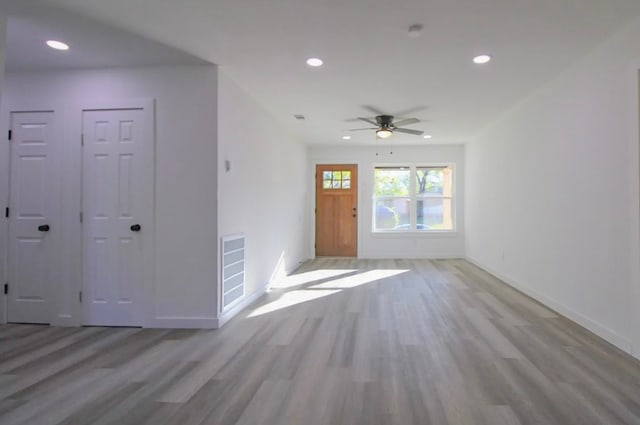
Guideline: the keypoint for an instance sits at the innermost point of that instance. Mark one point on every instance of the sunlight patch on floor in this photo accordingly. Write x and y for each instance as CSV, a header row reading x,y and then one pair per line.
x,y
359,279
320,290
292,298
302,278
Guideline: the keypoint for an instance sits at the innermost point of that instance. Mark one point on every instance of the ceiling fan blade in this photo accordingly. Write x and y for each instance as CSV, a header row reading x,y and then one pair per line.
x,y
370,121
373,109
359,129
408,131
408,121
410,111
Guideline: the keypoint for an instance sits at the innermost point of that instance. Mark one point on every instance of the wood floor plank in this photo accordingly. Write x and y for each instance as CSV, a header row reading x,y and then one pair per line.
x,y
349,342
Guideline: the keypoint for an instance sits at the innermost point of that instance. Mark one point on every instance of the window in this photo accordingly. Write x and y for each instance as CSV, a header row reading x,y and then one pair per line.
x,y
413,198
336,179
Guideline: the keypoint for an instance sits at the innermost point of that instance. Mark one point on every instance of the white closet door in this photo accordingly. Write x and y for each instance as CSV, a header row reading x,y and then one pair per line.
x,y
33,225
117,203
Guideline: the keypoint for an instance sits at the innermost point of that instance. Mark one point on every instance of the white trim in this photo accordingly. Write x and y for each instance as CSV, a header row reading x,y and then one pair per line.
x,y
64,320
118,104
414,256
634,210
599,329
183,323
427,234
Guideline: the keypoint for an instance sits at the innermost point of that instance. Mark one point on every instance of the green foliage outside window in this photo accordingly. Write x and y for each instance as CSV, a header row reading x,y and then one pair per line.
x,y
391,182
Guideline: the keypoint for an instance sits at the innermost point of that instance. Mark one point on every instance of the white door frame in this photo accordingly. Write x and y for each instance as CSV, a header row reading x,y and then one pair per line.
x,y
146,289
634,179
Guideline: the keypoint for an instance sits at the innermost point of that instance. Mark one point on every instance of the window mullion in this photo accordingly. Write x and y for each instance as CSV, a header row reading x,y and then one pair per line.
x,y
413,204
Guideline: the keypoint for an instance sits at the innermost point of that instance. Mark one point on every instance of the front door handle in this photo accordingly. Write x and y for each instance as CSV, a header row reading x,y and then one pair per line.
x,y
135,227
44,228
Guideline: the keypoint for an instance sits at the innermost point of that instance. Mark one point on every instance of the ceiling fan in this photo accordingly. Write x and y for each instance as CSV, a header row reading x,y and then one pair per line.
x,y
385,124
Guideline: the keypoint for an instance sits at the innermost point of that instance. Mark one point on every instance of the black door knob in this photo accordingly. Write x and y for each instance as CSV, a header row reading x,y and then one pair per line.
x,y
44,228
135,227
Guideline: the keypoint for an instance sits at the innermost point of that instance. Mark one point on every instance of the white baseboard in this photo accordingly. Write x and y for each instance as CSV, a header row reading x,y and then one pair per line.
x,y
620,341
65,320
183,323
410,256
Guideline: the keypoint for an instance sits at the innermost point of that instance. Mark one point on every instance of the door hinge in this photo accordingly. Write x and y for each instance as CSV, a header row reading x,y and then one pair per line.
x,y
6,212
82,140
6,288
80,297
10,134
81,217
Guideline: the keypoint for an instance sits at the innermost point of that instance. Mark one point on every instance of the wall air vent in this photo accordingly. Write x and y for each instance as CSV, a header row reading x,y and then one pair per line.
x,y
233,259
299,116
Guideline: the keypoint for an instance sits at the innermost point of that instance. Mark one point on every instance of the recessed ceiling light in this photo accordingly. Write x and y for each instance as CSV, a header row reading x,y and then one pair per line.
x,y
58,45
346,137
480,59
428,136
314,62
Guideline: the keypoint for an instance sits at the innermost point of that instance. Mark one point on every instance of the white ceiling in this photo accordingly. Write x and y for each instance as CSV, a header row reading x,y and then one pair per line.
x,y
369,58
95,45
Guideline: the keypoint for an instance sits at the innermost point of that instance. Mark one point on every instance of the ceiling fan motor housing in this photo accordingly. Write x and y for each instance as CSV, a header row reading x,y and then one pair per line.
x,y
385,121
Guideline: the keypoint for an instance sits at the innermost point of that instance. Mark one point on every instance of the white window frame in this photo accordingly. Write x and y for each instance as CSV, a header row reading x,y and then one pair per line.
x,y
413,199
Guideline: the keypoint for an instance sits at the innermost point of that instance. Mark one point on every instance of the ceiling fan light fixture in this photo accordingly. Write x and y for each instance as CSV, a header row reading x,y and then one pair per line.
x,y
384,133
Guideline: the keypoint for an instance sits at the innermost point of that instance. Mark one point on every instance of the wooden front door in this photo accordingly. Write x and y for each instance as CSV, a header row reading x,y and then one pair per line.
x,y
337,210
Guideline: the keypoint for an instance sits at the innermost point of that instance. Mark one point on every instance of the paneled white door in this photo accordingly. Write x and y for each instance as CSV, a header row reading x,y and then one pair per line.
x,y
34,227
117,199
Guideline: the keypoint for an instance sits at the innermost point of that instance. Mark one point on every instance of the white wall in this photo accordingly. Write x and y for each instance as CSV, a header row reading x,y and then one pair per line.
x,y
4,161
184,293
3,39
376,245
552,193
264,195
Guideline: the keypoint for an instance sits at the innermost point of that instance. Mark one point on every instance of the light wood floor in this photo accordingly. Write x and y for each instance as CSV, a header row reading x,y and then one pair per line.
x,y
366,342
